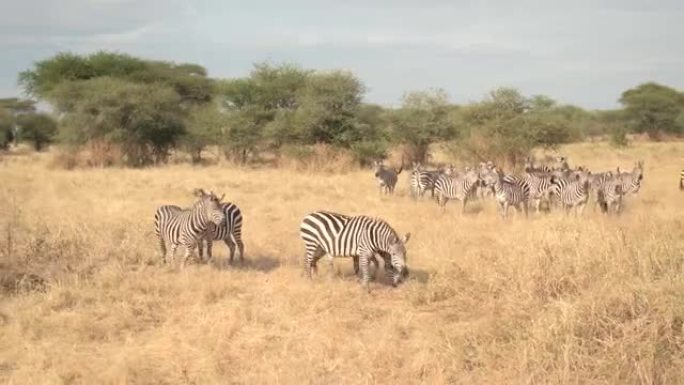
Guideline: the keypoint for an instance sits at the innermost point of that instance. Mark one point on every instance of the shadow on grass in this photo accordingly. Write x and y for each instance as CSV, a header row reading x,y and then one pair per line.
x,y
257,263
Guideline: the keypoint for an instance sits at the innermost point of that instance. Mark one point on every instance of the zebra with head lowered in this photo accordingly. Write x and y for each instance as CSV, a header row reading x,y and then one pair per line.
x,y
178,227
508,191
386,177
340,235
459,186
229,231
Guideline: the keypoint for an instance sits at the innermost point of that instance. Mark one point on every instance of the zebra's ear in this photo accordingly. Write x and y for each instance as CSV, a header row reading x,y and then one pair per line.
x,y
406,238
198,192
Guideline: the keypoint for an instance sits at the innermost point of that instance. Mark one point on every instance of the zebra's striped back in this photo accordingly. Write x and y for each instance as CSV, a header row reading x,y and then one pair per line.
x,y
459,186
229,231
341,235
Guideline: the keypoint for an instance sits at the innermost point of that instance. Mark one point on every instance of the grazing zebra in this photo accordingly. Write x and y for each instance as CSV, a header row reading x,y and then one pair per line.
x,y
681,180
423,180
177,227
631,181
508,191
360,236
461,187
573,192
229,231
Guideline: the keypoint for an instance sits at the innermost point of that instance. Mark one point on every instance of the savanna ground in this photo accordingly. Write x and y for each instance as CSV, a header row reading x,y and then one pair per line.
x,y
552,299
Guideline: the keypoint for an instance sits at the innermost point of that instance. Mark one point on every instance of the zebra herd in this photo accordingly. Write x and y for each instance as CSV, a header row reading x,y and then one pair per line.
x,y
539,185
337,235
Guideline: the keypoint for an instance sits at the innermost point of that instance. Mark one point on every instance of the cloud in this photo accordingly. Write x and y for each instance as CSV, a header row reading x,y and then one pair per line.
x,y
584,51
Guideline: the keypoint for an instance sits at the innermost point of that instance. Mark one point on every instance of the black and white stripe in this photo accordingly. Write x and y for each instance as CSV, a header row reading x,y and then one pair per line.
x,y
609,195
229,231
681,180
386,177
508,191
422,181
540,188
573,192
177,227
461,187
340,235
631,181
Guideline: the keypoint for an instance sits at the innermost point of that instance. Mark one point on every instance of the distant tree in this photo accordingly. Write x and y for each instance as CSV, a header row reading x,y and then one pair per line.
x,y
143,119
190,81
6,128
424,118
204,126
653,108
38,129
507,126
327,109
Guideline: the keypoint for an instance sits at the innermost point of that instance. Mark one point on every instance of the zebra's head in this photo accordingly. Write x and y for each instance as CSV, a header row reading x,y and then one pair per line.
x,y
449,170
377,167
637,175
489,178
397,251
211,207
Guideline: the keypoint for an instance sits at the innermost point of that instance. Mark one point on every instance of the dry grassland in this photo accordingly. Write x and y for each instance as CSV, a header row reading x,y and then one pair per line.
x,y
549,300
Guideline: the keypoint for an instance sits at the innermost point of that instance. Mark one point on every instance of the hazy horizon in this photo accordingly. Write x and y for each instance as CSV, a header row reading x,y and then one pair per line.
x,y
585,53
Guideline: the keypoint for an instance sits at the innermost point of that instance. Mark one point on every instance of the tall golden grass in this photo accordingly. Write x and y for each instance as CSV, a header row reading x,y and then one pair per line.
x,y
553,299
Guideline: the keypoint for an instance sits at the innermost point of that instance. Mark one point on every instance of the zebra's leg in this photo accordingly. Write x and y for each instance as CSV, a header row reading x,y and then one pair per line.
x,y
312,256
356,265
162,245
374,259
525,209
581,209
465,200
210,257
189,250
364,258
231,248
172,253
331,266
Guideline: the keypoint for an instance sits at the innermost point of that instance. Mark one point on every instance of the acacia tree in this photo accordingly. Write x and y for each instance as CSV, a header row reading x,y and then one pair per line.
x,y
38,129
143,119
424,118
654,109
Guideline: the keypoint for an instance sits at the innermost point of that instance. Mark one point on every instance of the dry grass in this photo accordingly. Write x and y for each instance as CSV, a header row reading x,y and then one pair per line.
x,y
551,299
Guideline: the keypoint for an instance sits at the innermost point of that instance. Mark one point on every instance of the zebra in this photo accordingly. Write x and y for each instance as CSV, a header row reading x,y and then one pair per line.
x,y
540,188
386,177
631,181
177,227
573,192
508,191
229,231
423,180
461,187
681,180
609,194
340,235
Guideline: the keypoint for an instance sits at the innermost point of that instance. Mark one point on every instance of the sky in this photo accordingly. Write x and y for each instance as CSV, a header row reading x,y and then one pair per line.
x,y
582,52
